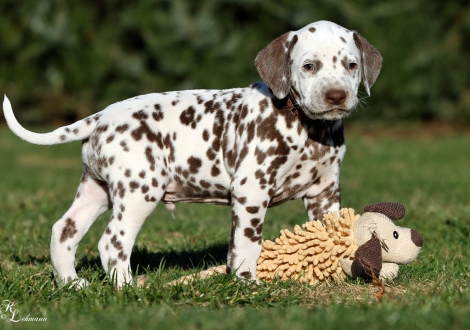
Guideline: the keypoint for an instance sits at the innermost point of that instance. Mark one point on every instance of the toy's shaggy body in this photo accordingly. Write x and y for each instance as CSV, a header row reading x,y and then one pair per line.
x,y
310,254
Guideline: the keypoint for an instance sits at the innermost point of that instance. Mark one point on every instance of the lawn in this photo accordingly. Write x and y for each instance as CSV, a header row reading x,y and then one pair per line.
x,y
426,171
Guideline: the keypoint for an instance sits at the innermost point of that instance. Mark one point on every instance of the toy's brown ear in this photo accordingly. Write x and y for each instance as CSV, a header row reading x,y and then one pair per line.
x,y
392,210
273,64
371,61
368,259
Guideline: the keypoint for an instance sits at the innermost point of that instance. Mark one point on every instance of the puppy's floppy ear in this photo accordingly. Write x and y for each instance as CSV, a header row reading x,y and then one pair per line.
x,y
371,61
393,211
368,259
273,64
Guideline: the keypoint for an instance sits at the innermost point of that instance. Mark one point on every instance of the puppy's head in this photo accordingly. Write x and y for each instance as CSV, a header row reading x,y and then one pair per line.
x,y
320,66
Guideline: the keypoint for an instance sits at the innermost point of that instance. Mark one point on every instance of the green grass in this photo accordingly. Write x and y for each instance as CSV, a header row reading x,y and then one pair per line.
x,y
429,175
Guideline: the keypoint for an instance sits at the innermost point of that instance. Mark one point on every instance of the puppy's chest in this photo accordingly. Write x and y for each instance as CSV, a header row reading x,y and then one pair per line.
x,y
311,171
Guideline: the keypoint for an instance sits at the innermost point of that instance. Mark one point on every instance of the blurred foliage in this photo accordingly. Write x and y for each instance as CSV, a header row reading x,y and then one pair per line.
x,y
63,60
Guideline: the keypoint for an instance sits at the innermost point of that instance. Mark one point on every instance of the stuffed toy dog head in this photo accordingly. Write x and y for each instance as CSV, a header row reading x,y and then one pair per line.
x,y
382,244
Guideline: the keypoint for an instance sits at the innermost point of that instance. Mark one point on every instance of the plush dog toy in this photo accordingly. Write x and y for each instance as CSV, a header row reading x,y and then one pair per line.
x,y
342,244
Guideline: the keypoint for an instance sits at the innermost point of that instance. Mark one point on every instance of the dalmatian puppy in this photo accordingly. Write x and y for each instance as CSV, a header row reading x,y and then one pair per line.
x,y
250,148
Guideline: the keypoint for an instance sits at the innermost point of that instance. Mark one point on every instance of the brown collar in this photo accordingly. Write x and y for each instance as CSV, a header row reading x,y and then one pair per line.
x,y
296,109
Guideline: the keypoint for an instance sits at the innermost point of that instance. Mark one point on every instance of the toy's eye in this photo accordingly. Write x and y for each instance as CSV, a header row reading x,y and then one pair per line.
x,y
395,234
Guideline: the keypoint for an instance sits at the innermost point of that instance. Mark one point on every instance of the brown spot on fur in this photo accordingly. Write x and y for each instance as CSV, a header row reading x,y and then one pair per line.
x,y
134,185
154,183
194,164
210,154
241,200
312,29
124,146
144,130
255,222
260,156
117,245
246,275
140,115
122,256
188,117
150,158
205,184
219,186
252,209
345,63
69,230
251,234
121,190
151,199
122,128
215,171
157,115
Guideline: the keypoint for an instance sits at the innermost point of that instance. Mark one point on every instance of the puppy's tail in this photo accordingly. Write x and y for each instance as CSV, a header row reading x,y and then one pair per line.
x,y
79,130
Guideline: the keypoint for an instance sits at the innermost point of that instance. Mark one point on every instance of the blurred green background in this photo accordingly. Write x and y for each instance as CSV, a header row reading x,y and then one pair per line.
x,y
63,60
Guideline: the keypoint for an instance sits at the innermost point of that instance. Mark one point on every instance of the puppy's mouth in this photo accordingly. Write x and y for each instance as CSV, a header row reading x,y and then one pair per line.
x,y
330,114
336,111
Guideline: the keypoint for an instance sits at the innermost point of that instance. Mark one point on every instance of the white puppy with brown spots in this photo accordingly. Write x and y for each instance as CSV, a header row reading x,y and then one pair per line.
x,y
250,148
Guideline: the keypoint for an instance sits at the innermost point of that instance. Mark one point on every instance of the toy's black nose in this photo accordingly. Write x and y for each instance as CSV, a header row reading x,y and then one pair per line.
x,y
416,238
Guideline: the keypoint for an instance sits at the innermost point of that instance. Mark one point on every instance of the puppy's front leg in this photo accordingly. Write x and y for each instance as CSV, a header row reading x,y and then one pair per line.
x,y
328,200
248,211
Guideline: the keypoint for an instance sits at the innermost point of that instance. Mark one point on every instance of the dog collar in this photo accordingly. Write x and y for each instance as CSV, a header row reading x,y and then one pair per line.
x,y
295,108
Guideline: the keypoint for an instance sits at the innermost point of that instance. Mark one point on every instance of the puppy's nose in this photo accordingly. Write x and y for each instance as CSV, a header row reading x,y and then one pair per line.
x,y
335,96
416,238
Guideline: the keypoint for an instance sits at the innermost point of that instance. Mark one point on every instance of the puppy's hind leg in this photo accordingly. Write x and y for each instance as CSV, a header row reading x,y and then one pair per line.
x,y
132,205
91,201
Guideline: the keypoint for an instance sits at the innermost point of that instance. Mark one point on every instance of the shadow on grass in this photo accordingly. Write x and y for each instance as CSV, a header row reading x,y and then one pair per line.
x,y
30,260
143,260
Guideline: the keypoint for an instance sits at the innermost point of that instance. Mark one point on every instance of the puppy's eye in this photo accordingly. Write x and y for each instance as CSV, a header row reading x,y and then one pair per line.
x,y
352,66
395,235
309,67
